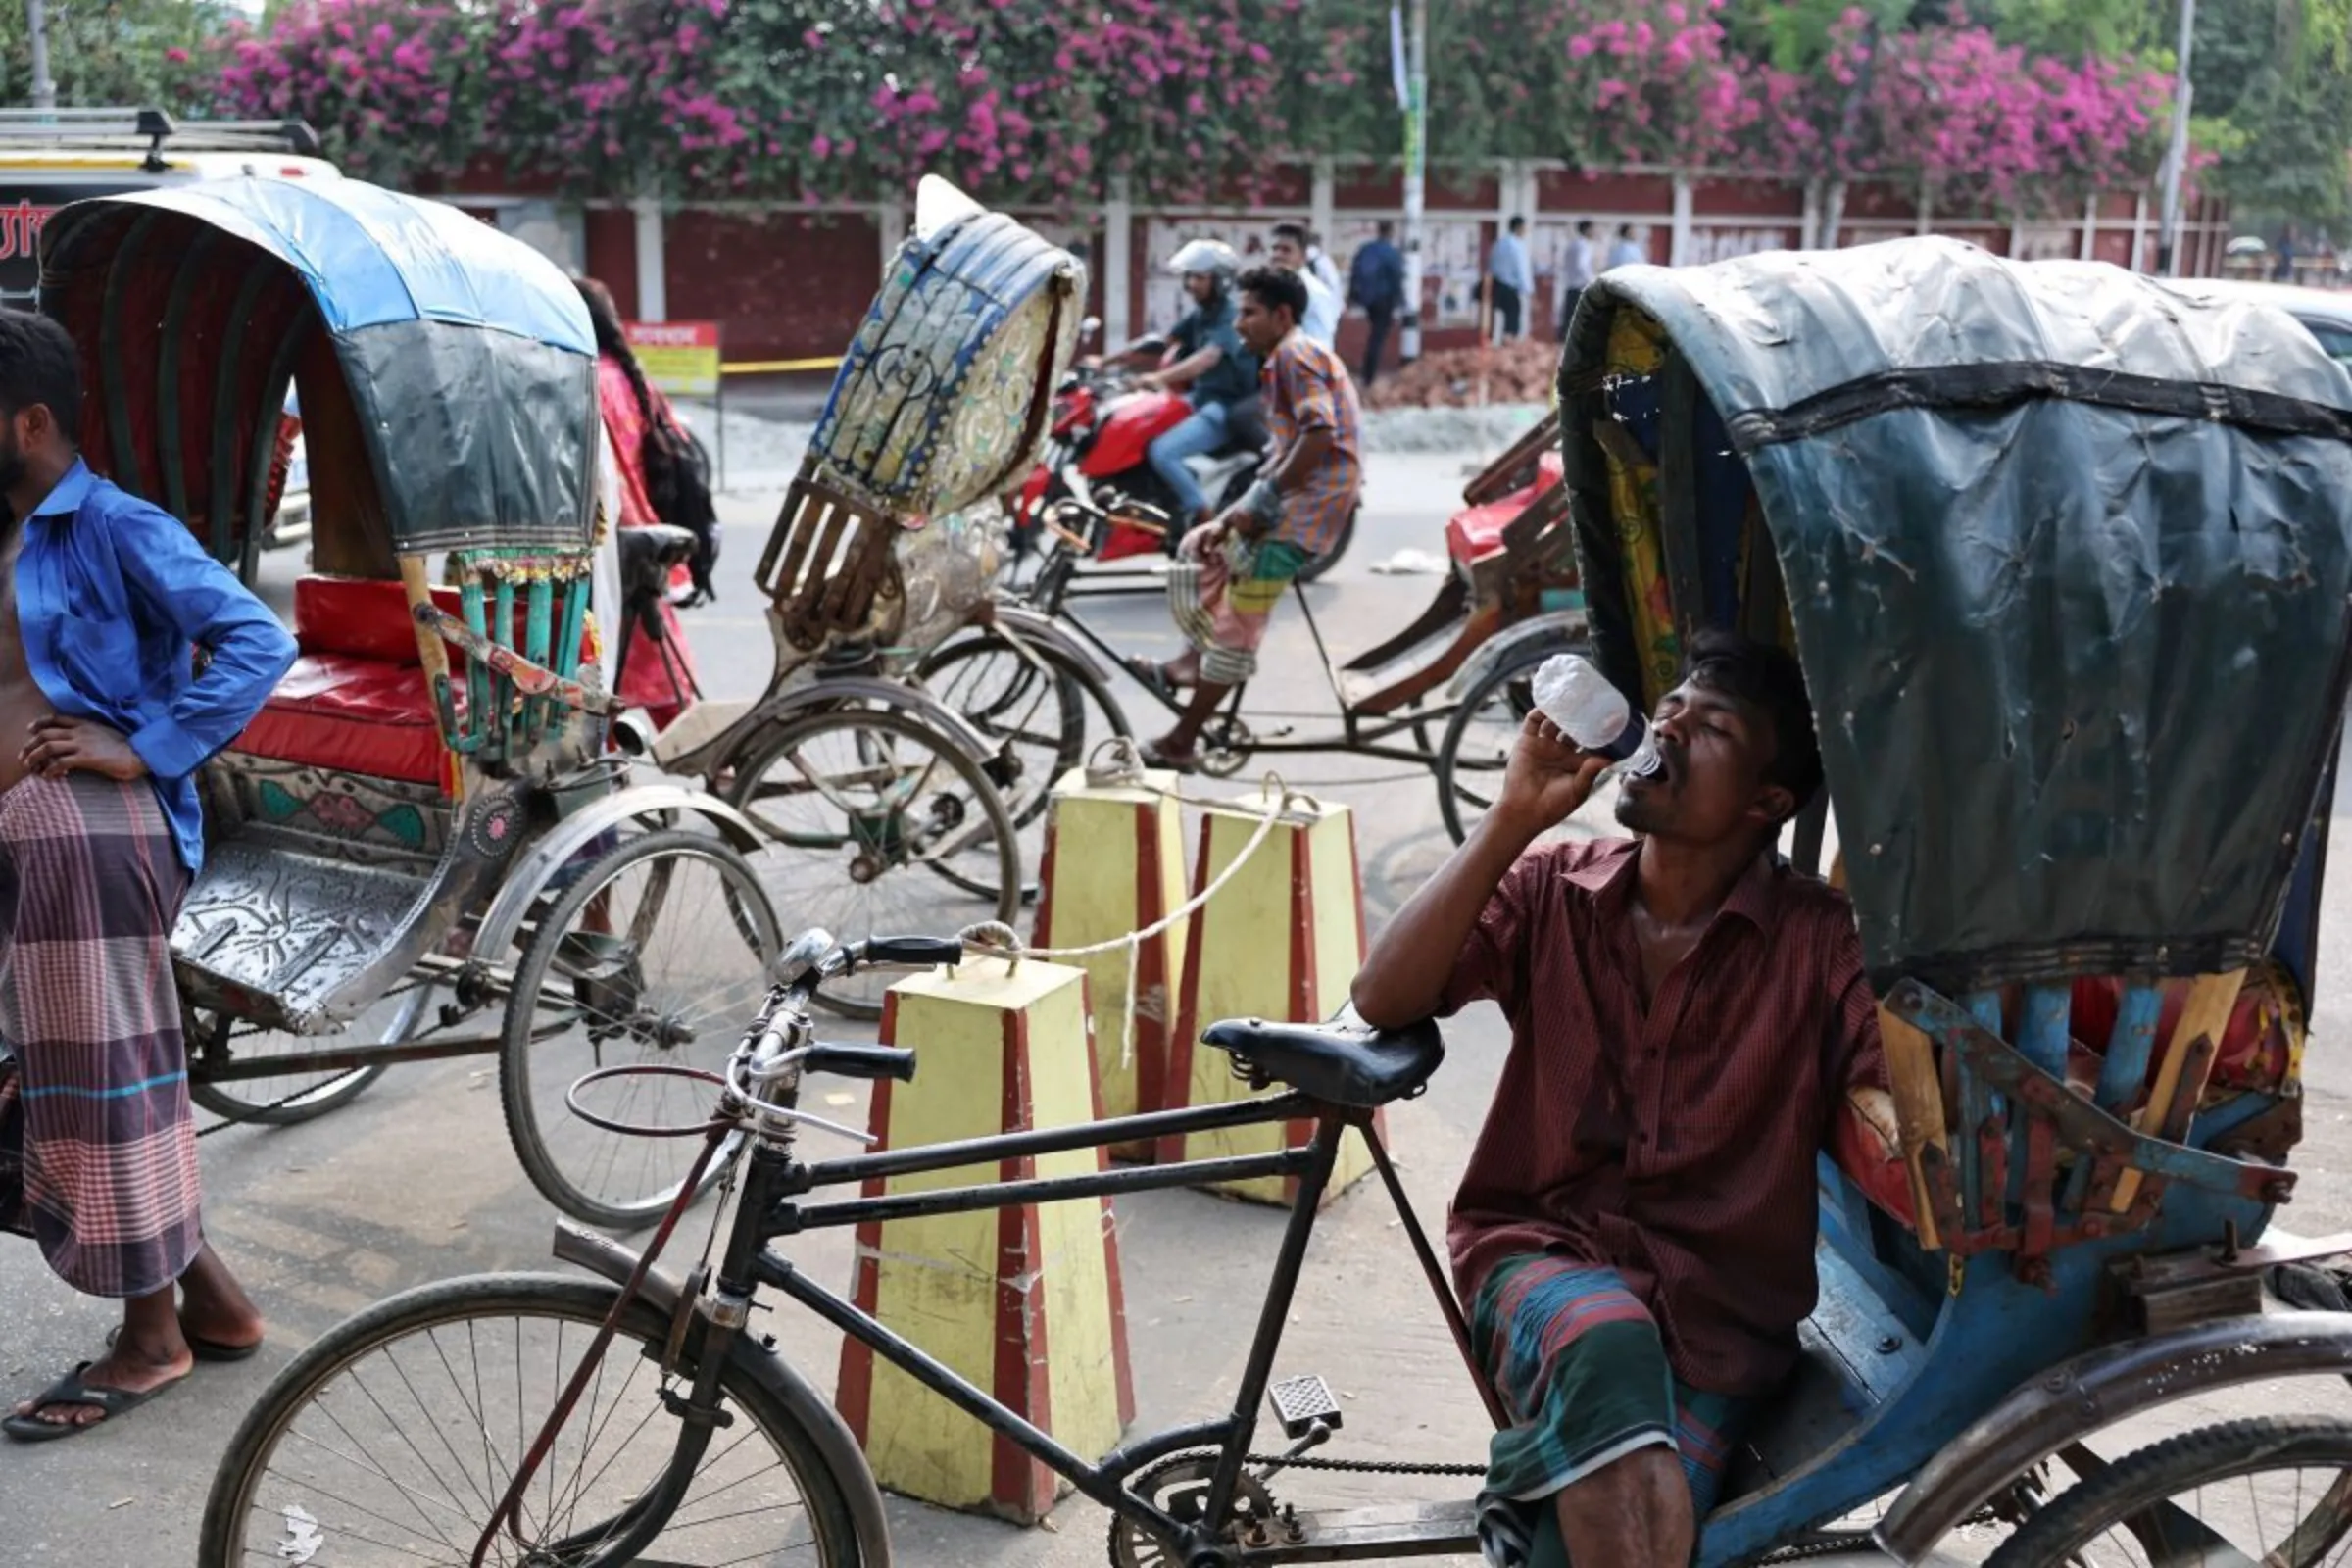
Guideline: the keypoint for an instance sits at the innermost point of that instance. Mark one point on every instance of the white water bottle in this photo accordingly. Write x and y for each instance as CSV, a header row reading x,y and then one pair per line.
x,y
1594,714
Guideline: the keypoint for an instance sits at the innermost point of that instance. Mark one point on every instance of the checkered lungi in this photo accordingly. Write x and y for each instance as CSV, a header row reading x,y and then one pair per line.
x,y
97,1141
1223,595
1580,1365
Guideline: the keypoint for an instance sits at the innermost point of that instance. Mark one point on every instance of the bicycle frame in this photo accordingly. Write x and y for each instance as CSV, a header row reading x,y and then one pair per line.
x,y
771,1207
1356,735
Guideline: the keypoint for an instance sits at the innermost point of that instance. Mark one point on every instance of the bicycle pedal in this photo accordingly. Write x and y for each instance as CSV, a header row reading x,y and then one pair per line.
x,y
1299,1403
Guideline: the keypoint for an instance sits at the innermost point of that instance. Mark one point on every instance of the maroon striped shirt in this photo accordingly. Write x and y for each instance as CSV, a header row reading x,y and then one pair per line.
x,y
1675,1143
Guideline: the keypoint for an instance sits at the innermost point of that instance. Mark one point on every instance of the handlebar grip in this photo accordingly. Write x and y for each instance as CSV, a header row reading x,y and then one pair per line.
x,y
913,952
861,1062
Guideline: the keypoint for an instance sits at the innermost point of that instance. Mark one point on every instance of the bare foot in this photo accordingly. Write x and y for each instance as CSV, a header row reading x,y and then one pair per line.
x,y
213,1306
1183,669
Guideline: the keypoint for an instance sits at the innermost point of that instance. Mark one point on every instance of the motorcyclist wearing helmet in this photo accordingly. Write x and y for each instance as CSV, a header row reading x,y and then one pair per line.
x,y
1206,361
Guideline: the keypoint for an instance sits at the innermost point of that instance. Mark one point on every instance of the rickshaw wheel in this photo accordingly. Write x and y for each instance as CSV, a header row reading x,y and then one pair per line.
x,y
298,1097
2139,1510
854,802
1049,718
658,952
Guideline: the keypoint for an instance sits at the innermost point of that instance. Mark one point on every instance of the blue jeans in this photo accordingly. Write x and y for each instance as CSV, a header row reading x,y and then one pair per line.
x,y
1204,431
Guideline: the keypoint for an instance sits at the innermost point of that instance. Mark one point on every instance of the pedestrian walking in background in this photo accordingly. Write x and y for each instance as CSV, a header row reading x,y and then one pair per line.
x,y
1511,279
1326,271
1626,252
658,671
1576,276
1321,322
1376,286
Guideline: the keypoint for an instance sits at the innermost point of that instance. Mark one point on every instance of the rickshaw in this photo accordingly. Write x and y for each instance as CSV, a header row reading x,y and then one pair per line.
x,y
421,844
2067,559
879,804
1446,691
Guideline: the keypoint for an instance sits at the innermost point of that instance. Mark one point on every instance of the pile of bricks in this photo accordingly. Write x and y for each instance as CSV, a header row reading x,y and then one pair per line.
x,y
1517,371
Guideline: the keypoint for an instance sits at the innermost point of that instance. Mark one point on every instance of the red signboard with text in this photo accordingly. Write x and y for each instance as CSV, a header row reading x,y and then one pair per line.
x,y
681,357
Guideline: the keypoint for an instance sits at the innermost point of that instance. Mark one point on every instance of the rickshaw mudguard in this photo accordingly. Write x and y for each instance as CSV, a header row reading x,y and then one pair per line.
x,y
844,691
1029,626
1562,628
561,844
2097,1389
664,1292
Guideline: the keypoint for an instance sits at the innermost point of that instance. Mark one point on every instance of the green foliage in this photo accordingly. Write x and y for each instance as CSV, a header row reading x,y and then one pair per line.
x,y
126,53
2274,98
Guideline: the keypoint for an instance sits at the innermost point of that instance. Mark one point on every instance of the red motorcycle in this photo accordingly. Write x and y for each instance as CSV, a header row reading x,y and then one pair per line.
x,y
1098,447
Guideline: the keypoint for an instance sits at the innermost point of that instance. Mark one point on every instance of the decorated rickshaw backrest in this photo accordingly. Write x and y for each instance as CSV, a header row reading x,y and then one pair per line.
x,y
2066,554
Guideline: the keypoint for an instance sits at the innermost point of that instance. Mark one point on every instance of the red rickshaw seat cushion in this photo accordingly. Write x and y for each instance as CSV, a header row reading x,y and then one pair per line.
x,y
363,617
350,714
355,700
1476,532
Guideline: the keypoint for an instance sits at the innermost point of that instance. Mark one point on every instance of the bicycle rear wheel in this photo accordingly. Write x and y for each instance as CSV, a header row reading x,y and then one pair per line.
x,y
391,1440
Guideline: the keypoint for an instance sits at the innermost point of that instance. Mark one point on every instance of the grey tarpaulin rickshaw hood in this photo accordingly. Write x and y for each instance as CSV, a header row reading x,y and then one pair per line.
x,y
2067,554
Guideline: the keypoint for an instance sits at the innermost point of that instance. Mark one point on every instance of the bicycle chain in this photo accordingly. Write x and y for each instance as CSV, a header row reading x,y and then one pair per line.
x,y
1371,1467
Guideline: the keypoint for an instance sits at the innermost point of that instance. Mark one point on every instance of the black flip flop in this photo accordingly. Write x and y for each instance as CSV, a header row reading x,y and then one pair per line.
x,y
203,1349
1152,675
1154,756
110,1403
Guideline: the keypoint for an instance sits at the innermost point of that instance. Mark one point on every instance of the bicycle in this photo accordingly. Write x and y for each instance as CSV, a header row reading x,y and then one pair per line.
x,y
303,1467
367,1441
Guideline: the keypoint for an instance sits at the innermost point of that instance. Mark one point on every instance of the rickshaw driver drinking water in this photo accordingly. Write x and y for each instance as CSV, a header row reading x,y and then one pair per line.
x,y
102,729
1689,1020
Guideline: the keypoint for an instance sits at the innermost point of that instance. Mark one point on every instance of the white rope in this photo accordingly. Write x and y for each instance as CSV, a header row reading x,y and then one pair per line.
x,y
1125,771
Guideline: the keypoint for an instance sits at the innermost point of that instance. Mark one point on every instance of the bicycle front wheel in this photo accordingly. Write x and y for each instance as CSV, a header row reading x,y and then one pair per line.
x,y
392,1439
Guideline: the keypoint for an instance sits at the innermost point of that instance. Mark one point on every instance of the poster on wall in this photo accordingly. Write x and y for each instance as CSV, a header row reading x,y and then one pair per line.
x,y
2048,242
681,357
1451,259
1720,243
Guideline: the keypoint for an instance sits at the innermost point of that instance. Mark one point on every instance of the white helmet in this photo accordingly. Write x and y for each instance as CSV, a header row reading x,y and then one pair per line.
x,y
1212,257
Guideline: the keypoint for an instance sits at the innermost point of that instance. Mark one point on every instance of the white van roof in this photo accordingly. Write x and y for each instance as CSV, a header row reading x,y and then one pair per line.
x,y
72,145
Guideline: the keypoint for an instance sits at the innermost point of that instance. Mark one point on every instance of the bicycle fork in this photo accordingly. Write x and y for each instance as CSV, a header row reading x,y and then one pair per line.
x,y
624,1537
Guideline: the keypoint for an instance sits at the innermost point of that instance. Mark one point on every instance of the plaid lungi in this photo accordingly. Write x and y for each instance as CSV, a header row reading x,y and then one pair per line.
x,y
97,1141
1583,1372
1222,596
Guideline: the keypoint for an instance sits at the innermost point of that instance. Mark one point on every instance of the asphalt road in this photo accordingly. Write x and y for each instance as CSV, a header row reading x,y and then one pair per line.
x,y
416,1181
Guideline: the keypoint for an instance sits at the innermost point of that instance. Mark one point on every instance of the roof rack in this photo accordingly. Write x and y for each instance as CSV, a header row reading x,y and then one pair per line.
x,y
151,128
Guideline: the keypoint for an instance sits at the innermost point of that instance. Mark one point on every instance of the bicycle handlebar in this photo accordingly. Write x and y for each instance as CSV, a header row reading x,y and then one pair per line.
x,y
860,1061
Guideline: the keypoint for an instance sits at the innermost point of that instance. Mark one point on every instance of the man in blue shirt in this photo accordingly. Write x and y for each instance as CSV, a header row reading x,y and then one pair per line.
x,y
1510,279
103,724
1376,286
